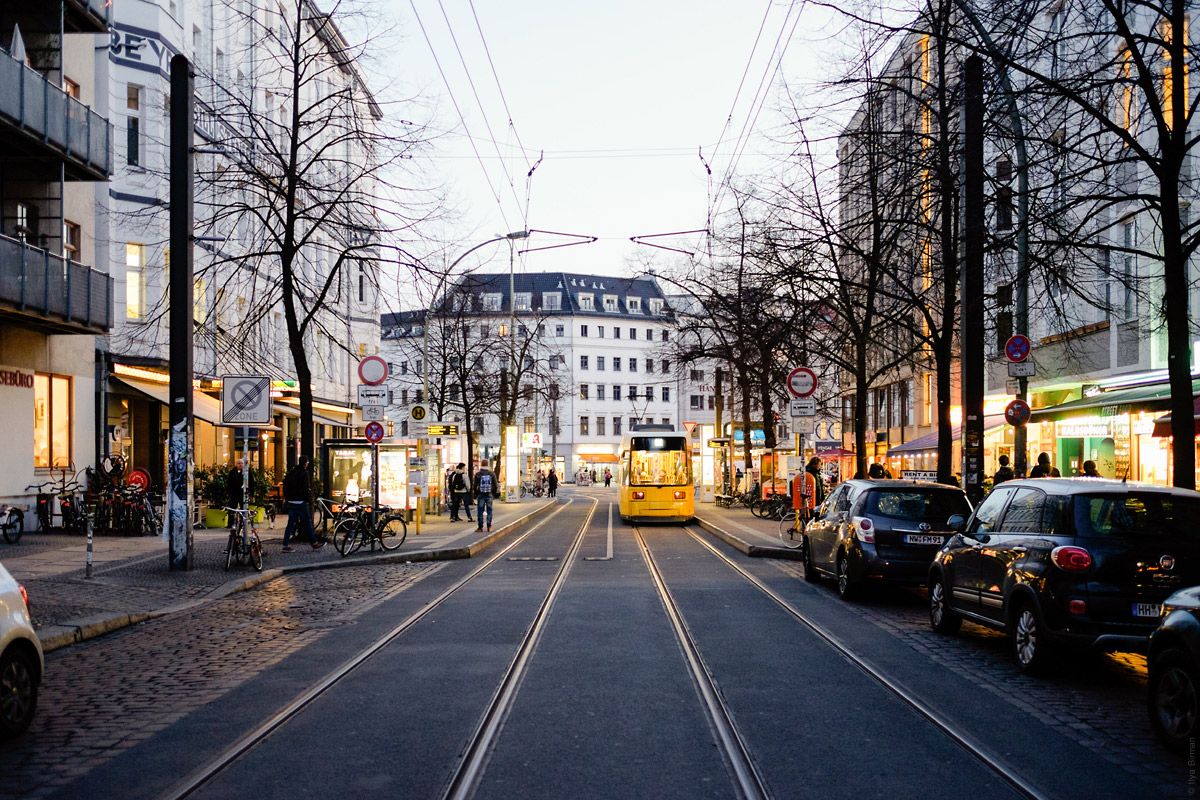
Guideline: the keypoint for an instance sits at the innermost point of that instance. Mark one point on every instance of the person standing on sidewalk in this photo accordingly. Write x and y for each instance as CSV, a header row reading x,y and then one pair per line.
x,y
460,493
486,489
552,482
297,489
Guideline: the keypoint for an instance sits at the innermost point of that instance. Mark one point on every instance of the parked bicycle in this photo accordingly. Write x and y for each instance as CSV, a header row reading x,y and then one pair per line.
x,y
243,544
61,494
356,529
327,512
792,527
532,487
12,523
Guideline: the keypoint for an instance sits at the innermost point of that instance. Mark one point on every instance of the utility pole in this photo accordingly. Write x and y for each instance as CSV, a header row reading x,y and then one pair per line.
x,y
180,295
972,279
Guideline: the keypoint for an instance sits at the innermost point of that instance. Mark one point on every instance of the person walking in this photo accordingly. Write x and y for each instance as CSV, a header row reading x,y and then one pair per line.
x,y
297,491
1043,469
607,477
460,493
1090,471
875,471
552,483
818,483
486,489
1005,473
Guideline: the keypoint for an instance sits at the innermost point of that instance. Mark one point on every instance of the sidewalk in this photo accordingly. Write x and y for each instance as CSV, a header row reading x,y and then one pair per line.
x,y
743,531
130,581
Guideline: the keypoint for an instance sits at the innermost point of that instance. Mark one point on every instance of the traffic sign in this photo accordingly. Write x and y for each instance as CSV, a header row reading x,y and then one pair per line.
x,y
246,400
372,370
374,432
1017,347
372,414
373,395
1017,412
418,412
1021,369
802,382
804,407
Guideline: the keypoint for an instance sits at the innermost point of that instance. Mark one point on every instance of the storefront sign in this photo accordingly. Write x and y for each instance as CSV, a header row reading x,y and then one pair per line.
x,y
1080,430
16,377
531,441
918,475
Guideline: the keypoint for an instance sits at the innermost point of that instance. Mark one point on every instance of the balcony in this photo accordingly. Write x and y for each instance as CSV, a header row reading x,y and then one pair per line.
x,y
40,119
87,16
51,293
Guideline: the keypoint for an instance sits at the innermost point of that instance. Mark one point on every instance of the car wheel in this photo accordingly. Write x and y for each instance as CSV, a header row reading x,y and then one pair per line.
x,y
18,693
810,569
847,589
1027,635
941,617
1173,698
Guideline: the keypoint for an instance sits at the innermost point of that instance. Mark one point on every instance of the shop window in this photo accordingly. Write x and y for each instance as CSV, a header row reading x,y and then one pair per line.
x,y
52,423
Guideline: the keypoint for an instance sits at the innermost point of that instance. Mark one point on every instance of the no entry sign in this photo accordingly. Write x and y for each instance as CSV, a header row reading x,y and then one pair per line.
x,y
802,382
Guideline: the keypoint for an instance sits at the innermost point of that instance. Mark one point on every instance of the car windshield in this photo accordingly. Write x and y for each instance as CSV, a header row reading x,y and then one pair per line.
x,y
658,461
1136,514
917,505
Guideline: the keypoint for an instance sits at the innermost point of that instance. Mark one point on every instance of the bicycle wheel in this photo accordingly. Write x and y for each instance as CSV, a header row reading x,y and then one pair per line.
x,y
230,544
256,551
791,531
345,536
392,531
14,526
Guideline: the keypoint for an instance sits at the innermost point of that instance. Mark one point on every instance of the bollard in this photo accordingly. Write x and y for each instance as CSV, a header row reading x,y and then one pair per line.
x,y
90,529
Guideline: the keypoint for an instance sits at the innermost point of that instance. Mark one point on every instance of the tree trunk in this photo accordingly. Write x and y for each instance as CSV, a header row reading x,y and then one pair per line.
x,y
1175,313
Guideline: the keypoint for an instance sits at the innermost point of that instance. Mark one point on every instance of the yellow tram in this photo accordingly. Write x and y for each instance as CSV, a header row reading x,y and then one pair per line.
x,y
654,475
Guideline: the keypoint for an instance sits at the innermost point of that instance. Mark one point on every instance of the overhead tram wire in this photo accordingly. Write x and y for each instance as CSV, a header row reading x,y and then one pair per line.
x,y
487,176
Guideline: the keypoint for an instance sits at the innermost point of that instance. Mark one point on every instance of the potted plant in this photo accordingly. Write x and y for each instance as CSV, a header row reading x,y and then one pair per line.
x,y
213,489
261,481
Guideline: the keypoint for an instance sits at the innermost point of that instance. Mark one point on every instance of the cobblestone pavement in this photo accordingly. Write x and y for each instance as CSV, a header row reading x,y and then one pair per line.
x,y
95,702
1097,700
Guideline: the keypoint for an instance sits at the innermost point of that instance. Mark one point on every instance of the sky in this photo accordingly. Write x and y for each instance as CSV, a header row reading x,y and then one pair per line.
x,y
620,96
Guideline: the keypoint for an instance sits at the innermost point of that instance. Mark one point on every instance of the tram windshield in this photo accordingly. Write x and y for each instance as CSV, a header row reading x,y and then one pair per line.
x,y
658,461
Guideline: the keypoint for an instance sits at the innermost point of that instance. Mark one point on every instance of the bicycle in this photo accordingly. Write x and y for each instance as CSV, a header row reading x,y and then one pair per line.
x,y
356,529
529,487
12,523
243,544
327,513
792,526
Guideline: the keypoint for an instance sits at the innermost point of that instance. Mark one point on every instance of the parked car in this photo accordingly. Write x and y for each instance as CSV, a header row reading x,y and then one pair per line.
x,y
872,531
1054,562
1174,696
21,660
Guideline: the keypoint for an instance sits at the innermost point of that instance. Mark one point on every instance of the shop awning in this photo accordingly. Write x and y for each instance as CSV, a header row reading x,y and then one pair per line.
x,y
834,452
929,442
1151,397
204,407
294,411
1162,425
598,458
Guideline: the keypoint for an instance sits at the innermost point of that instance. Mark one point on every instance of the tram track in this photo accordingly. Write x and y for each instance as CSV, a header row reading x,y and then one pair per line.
x,y
996,763
200,777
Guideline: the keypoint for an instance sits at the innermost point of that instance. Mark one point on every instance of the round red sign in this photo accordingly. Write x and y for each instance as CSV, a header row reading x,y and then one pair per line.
x,y
802,382
372,370
139,479
374,432
1017,348
1017,412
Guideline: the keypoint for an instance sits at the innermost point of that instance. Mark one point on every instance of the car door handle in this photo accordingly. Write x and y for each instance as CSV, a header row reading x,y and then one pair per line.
x,y
1020,549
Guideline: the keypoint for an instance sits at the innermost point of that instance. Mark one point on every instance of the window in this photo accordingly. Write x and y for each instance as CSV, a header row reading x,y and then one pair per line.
x,y
666,365
658,461
1004,208
616,332
404,427
52,424
633,305
633,333
988,514
712,402
610,302
583,362
927,413
70,87
72,240
632,421
909,403
583,391
664,334
656,306
583,426
649,366
599,331
403,367
583,331
616,391
587,302
649,334
666,394
600,363
404,396
696,375
524,301
133,139
616,363
616,426
600,391
200,310
600,425
1130,267
523,330
666,420
420,395
492,301
27,222
697,402
484,330
560,330
135,285
1024,514
633,365
551,301
649,392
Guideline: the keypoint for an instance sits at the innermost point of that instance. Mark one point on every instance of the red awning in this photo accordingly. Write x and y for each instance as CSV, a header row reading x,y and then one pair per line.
x,y
1162,425
836,452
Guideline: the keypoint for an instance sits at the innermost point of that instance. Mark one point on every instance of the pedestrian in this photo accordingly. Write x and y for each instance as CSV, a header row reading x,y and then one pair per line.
x,y
593,475
236,486
297,491
818,483
486,489
1043,469
552,482
875,471
1003,474
607,477
460,493
1090,471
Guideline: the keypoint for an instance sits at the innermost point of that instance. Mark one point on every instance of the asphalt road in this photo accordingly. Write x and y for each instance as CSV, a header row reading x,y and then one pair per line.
x,y
602,703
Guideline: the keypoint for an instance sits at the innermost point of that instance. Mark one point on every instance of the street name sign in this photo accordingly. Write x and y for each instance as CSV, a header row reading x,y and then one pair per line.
x,y
372,370
246,400
1021,369
804,407
1017,348
802,382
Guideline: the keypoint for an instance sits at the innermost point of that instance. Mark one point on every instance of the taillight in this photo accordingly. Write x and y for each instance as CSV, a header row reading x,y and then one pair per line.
x,y
866,529
639,495
24,595
1071,559
680,495
1077,607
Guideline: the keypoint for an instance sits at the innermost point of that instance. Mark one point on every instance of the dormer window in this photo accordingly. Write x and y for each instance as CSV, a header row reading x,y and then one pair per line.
x,y
656,306
633,305
491,301
610,302
551,301
524,301
587,302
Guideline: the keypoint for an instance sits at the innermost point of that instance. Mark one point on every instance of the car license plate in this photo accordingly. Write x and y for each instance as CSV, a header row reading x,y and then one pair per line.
x,y
923,538
1147,610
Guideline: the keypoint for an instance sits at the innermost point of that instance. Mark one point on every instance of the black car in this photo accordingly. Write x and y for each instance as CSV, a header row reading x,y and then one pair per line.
x,y
871,531
1076,561
1174,662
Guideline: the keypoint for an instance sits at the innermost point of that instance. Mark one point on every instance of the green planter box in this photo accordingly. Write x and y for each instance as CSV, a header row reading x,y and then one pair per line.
x,y
215,518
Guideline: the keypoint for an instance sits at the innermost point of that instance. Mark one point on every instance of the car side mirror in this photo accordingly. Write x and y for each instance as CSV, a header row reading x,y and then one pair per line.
x,y
842,517
982,538
957,523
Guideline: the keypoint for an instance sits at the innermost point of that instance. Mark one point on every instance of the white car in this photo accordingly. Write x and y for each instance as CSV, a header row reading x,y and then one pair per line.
x,y
21,659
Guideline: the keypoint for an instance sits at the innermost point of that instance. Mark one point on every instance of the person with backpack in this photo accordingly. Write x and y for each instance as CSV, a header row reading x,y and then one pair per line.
x,y
460,493
297,489
486,489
